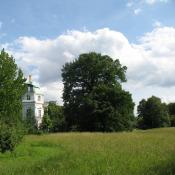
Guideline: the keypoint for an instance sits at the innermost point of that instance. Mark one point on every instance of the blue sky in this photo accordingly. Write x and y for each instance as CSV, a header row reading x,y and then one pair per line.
x,y
44,34
50,18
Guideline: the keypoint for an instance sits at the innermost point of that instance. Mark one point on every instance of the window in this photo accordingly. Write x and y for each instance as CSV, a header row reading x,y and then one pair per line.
x,y
39,113
30,89
29,112
28,97
39,98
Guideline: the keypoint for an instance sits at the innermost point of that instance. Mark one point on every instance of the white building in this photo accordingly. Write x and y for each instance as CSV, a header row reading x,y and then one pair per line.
x,y
33,100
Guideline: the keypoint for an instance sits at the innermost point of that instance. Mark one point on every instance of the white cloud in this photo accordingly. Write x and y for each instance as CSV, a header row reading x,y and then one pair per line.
x,y
137,11
159,50
150,63
129,4
155,1
136,3
157,24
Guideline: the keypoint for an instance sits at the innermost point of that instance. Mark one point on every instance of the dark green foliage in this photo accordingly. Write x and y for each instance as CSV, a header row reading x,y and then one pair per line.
x,y
152,113
106,109
12,87
171,110
93,97
30,122
10,136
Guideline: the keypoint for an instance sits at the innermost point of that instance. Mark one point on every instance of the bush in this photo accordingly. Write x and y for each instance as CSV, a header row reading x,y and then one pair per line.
x,y
10,136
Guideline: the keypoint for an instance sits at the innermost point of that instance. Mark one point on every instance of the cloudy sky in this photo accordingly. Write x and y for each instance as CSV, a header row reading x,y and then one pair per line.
x,y
44,34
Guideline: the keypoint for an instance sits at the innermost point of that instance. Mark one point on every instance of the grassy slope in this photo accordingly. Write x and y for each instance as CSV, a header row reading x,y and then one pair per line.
x,y
140,152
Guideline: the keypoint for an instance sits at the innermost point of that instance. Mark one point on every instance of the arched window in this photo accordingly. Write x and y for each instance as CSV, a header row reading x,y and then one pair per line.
x,y
30,89
39,98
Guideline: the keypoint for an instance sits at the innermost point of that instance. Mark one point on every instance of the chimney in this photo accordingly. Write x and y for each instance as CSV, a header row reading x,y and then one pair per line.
x,y
30,78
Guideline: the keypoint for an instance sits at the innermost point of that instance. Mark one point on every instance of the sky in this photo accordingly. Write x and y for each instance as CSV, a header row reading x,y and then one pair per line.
x,y
43,35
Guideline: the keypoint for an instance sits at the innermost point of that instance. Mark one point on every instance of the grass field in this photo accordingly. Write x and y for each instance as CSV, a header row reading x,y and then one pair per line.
x,y
149,152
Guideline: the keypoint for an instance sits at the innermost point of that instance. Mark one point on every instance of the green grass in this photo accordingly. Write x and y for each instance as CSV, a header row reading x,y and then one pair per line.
x,y
150,152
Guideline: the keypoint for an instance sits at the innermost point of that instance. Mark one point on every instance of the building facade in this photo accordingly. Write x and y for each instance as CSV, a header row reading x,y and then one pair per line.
x,y
33,100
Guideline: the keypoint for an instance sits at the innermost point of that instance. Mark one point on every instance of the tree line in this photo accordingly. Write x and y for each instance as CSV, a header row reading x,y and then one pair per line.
x,y
93,100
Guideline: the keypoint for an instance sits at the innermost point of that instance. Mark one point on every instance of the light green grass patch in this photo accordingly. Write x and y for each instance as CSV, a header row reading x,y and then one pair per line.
x,y
150,152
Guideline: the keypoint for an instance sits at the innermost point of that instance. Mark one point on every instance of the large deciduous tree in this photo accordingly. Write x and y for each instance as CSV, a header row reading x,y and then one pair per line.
x,y
12,87
152,113
93,96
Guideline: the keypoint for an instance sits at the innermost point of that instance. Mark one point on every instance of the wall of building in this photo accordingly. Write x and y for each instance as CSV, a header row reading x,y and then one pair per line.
x,y
33,99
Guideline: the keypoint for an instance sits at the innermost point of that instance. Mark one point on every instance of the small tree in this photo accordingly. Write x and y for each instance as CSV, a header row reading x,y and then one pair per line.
x,y
10,136
152,113
55,113
57,117
30,122
46,124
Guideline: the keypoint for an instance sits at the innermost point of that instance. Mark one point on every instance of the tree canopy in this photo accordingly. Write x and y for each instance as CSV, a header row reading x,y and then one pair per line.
x,y
12,87
93,96
152,113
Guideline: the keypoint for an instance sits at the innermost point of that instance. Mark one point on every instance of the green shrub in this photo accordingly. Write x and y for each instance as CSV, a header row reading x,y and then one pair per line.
x,y
10,136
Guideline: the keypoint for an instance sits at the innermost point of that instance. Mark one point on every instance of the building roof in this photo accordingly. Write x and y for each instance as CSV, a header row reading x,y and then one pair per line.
x,y
36,89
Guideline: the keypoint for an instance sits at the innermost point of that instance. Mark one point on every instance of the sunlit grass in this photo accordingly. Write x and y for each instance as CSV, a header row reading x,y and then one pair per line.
x,y
139,152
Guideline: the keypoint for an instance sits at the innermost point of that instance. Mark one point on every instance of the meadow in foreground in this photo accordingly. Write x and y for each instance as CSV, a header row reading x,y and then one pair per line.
x,y
150,152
